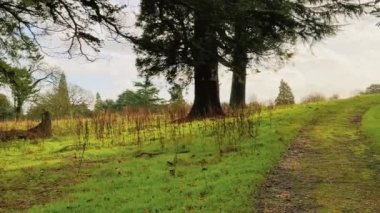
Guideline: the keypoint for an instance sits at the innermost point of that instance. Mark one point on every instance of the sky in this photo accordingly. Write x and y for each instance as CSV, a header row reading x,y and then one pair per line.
x,y
344,64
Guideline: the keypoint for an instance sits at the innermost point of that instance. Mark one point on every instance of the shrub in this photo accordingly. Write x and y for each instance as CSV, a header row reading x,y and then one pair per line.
x,y
315,97
285,95
334,97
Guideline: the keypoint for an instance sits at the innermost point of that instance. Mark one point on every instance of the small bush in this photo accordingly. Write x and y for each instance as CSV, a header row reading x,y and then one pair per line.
x,y
312,98
334,97
255,104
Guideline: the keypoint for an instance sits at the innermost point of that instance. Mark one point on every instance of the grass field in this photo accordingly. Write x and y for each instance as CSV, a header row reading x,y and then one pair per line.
x,y
371,127
333,166
205,166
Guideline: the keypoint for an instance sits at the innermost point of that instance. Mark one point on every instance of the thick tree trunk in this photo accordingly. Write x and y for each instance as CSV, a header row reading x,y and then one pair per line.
x,y
18,110
239,69
206,100
238,88
42,130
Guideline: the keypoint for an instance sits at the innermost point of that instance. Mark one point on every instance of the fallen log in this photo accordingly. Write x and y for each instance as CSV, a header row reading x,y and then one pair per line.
x,y
42,130
148,154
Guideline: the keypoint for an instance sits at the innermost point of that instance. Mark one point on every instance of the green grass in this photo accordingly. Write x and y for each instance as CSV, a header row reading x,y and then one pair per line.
x,y
343,157
331,167
112,178
371,127
45,176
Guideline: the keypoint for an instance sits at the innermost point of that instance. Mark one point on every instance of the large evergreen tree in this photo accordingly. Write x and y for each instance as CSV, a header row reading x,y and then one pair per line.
x,y
60,99
176,95
181,37
261,29
146,95
285,95
190,37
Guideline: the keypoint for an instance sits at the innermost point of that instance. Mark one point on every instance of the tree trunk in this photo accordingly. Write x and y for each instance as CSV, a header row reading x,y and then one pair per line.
x,y
238,88
206,99
18,110
43,129
239,68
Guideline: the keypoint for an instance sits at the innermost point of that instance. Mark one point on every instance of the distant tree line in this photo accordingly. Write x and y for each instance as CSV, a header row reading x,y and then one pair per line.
x,y
63,100
145,95
286,97
373,89
25,82
67,100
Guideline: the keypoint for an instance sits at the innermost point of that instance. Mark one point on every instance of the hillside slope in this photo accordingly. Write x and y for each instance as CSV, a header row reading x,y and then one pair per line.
x,y
332,166
205,166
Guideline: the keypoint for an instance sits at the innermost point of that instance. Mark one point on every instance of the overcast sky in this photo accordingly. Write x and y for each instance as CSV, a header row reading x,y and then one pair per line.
x,y
340,65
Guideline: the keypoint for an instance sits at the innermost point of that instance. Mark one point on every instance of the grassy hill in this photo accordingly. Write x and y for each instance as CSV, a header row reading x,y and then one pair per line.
x,y
122,164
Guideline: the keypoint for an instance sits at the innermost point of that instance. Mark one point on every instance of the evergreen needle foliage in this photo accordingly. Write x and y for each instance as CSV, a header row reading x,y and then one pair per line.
x,y
285,96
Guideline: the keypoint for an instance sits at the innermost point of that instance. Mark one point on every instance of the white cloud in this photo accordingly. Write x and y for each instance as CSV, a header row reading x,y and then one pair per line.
x,y
339,65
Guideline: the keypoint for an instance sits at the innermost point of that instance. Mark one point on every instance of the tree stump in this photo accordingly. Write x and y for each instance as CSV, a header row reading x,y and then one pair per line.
x,y
42,130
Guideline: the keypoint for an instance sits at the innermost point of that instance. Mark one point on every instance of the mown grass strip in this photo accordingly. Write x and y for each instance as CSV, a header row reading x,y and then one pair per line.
x,y
371,127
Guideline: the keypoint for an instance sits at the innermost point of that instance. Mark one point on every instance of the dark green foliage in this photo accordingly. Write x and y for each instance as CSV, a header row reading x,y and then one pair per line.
x,y
5,72
180,40
146,95
24,22
63,101
109,105
262,30
60,105
373,89
285,96
188,39
98,103
165,44
80,110
6,109
23,82
23,87
15,46
35,111
176,95
104,106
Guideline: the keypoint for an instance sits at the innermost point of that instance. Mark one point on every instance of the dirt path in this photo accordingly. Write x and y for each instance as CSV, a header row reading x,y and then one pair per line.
x,y
329,168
